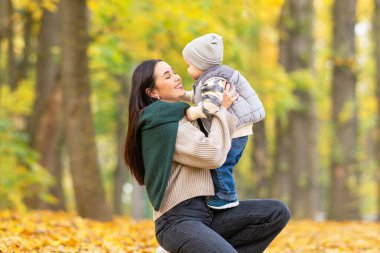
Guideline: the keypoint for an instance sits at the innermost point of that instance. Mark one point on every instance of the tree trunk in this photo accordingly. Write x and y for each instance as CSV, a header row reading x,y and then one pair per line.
x,y
376,31
138,201
121,172
17,70
302,122
11,53
260,159
281,182
344,199
296,54
5,20
45,124
79,128
280,178
22,66
303,165
2,74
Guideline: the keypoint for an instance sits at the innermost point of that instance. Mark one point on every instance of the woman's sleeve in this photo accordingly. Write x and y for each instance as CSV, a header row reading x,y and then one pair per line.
x,y
194,149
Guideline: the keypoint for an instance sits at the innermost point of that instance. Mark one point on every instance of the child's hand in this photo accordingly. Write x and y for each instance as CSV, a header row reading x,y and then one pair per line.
x,y
188,116
195,112
229,96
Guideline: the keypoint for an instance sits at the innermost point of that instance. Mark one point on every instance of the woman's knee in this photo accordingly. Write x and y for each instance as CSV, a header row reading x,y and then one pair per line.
x,y
282,213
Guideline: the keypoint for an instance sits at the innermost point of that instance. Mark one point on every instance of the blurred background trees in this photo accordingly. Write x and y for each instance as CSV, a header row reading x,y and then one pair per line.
x,y
65,69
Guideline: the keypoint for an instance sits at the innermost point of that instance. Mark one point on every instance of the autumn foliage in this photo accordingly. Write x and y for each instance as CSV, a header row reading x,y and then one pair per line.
x,y
328,237
44,231
47,232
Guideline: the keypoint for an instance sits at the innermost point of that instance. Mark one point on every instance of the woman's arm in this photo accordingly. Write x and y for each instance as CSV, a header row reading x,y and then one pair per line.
x,y
195,150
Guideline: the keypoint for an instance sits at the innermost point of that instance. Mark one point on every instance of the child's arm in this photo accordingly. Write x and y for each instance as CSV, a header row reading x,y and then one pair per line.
x,y
189,96
195,112
212,95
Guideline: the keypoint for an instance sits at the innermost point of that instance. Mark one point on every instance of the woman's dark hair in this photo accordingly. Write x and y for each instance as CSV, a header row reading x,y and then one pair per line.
x,y
142,78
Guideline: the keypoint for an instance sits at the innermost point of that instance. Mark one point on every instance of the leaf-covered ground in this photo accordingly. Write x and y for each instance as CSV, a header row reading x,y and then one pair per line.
x,y
327,237
43,231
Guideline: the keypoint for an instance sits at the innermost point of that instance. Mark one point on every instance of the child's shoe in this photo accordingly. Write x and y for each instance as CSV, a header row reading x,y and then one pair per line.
x,y
216,203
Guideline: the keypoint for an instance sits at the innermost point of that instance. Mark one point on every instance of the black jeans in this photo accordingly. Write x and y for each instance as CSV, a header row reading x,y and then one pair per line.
x,y
192,226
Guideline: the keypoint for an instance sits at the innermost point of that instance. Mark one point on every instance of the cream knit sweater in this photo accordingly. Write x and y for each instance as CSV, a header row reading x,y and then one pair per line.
x,y
194,156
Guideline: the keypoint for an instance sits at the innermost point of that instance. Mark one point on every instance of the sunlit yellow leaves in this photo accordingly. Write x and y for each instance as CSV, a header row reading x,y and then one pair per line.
x,y
18,102
267,16
19,166
50,5
35,7
160,29
365,9
333,237
43,231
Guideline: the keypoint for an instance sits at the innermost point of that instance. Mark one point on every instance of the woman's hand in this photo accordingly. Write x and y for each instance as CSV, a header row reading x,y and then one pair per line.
x,y
229,96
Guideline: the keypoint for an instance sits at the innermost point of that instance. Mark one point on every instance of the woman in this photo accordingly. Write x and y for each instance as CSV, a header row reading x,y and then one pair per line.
x,y
172,157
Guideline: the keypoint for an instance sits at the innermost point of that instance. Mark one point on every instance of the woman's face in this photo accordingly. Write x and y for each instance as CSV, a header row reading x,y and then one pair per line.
x,y
168,84
193,71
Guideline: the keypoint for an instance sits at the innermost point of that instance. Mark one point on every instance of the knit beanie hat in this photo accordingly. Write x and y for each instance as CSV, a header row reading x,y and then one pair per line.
x,y
204,52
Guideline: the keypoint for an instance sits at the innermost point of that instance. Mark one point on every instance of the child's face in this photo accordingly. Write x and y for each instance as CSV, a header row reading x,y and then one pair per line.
x,y
193,71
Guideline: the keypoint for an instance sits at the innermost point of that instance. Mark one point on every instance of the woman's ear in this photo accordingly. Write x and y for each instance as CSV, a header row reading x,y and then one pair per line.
x,y
152,93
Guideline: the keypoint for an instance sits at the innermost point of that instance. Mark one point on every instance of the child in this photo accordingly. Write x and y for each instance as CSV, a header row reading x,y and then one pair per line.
x,y
204,56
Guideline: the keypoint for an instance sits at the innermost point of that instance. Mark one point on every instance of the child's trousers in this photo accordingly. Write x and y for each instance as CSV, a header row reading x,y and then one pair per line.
x,y
223,179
